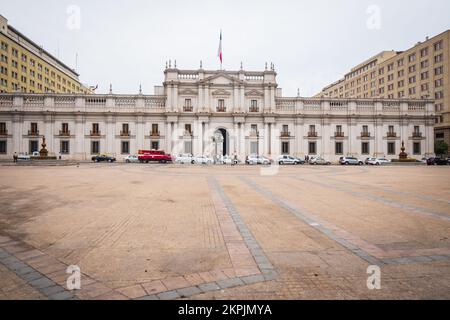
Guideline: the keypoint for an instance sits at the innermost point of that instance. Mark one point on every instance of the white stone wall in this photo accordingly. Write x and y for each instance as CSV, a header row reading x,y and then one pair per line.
x,y
205,88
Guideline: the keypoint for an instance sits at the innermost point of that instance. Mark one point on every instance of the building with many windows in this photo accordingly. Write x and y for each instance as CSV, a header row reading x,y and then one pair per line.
x,y
419,72
26,67
210,112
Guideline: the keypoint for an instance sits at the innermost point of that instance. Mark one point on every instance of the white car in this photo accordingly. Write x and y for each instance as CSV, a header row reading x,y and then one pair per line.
x,y
131,158
203,160
24,157
229,160
285,159
257,159
184,158
378,161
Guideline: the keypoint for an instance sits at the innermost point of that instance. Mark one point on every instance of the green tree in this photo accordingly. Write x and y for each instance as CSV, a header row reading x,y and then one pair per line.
x,y
440,147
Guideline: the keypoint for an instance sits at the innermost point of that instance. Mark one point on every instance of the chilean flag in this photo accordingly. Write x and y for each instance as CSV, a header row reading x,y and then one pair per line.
x,y
219,52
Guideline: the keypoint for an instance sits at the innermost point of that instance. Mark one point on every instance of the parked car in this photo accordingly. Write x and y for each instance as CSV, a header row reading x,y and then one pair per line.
x,y
203,160
378,161
230,160
103,157
131,158
154,156
438,162
257,159
350,161
184,158
286,159
319,161
369,159
23,157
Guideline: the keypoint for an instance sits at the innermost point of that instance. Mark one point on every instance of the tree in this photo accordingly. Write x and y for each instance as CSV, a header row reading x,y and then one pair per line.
x,y
440,147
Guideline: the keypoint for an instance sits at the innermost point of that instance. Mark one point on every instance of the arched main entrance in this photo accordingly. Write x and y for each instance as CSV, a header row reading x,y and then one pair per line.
x,y
221,142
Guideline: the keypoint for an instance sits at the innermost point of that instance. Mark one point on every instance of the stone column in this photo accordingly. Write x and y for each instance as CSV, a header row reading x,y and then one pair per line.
x,y
168,130
236,138
429,138
48,133
176,139
326,141
242,99
243,151
79,138
266,106
140,133
235,98
379,147
272,98
200,102
175,98
206,144
17,132
207,102
266,136
110,134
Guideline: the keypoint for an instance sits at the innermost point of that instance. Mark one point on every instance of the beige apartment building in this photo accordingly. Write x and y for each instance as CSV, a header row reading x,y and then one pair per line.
x,y
419,72
26,67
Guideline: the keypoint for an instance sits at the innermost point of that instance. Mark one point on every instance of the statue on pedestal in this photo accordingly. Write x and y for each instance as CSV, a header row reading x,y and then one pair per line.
x,y
43,153
403,155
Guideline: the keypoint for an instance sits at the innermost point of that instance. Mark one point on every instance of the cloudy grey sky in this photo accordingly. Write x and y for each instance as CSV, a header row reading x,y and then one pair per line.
x,y
312,43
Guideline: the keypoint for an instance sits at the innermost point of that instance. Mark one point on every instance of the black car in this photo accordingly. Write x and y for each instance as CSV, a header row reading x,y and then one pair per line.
x,y
438,162
103,157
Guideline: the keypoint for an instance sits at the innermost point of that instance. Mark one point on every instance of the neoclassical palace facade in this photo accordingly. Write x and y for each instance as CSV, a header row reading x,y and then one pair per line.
x,y
214,112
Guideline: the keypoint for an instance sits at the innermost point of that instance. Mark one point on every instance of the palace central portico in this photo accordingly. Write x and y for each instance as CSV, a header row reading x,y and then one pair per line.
x,y
208,112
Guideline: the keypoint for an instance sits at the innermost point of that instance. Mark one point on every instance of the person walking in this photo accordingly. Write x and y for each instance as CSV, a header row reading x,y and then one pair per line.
x,y
15,157
235,161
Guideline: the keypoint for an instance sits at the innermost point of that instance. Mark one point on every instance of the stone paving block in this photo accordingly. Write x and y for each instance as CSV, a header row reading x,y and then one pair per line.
x,y
150,297
64,295
218,275
112,295
439,257
187,292
175,283
228,283
132,292
253,279
168,295
52,290
4,255
42,283
154,287
25,270
4,239
421,259
32,276
16,265
13,249
93,290
210,286
52,268
229,272
194,279
207,277
28,254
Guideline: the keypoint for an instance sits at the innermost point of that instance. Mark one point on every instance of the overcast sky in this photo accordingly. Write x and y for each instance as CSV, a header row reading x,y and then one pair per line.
x,y
311,43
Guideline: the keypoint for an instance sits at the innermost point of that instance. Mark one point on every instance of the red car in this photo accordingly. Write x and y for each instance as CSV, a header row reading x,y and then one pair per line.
x,y
154,156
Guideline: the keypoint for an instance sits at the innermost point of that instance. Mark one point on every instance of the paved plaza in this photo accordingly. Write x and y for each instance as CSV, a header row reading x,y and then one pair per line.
x,y
220,232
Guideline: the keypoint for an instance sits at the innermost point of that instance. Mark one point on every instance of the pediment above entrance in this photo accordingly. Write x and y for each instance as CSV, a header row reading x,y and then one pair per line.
x,y
221,79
